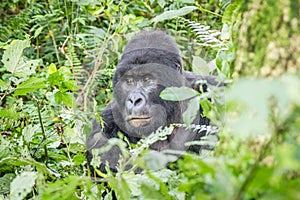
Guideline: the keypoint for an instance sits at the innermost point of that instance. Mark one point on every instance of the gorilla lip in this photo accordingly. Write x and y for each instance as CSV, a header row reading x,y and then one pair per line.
x,y
138,121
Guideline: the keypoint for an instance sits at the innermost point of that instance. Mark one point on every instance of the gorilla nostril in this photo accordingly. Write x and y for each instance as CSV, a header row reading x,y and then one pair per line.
x,y
138,102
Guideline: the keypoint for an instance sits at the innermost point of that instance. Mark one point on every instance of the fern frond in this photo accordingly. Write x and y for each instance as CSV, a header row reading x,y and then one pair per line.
x,y
205,35
74,62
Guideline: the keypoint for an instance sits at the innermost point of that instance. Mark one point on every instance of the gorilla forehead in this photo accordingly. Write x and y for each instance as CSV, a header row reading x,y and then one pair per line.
x,y
163,75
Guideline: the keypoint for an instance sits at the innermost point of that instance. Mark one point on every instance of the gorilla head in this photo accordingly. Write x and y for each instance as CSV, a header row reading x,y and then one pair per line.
x,y
150,63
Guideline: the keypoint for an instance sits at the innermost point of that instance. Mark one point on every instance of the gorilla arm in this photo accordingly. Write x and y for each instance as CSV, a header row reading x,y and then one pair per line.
x,y
99,138
193,80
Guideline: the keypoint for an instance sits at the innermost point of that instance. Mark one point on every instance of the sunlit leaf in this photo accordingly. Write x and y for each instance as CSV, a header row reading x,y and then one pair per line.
x,y
14,62
9,113
193,107
65,98
52,68
174,13
13,53
30,85
26,68
178,93
22,185
3,85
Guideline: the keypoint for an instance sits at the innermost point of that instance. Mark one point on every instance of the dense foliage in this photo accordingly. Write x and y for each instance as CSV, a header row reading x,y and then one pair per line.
x,y
57,61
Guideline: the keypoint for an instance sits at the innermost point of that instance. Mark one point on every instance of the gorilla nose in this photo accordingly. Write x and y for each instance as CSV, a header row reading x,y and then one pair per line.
x,y
135,101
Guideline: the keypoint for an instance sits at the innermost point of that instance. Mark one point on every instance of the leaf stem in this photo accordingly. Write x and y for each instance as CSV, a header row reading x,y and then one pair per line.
x,y
43,133
208,11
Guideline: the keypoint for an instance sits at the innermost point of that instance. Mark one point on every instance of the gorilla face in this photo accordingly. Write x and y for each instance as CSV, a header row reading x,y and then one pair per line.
x,y
138,110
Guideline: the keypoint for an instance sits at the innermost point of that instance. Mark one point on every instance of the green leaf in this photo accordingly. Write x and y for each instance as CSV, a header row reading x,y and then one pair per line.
x,y
56,79
5,182
13,61
66,188
120,186
68,99
38,31
9,113
19,161
13,53
30,85
150,192
174,13
69,85
155,160
200,66
3,85
28,132
22,185
193,107
25,69
52,68
178,93
65,98
231,12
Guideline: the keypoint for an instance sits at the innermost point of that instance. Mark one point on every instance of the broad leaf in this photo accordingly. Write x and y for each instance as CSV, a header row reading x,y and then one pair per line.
x,y
13,53
13,61
30,85
22,185
3,85
68,85
200,66
25,69
178,93
65,98
174,13
193,107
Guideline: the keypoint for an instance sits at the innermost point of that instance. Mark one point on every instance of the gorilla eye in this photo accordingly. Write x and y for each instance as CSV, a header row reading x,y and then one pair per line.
x,y
147,79
129,81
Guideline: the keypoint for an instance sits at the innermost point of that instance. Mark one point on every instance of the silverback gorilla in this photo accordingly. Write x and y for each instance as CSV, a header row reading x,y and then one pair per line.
x,y
150,63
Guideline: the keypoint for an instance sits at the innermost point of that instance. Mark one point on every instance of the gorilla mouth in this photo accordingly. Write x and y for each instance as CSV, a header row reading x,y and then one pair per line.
x,y
138,121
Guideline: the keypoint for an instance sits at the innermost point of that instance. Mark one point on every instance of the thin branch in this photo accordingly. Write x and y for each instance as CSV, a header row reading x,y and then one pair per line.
x,y
62,50
55,46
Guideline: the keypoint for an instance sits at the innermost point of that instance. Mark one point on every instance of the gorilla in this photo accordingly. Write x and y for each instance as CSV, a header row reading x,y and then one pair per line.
x,y
150,63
